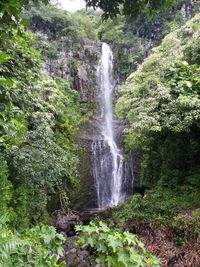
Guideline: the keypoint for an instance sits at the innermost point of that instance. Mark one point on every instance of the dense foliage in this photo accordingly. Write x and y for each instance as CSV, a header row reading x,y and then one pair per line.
x,y
38,122
40,246
39,118
132,41
59,32
167,219
115,248
162,205
44,159
129,7
160,101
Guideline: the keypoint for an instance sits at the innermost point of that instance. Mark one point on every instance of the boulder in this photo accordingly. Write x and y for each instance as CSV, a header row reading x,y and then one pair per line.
x,y
66,222
77,256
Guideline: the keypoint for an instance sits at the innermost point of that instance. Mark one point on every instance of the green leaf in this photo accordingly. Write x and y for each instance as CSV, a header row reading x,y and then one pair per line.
x,y
131,239
25,22
4,57
114,243
124,258
101,247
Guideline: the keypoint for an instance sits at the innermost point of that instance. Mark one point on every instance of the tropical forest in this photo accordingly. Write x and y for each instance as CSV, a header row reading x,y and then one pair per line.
x,y
99,133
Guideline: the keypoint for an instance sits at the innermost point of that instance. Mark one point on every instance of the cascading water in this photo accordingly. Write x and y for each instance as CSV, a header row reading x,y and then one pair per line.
x,y
106,156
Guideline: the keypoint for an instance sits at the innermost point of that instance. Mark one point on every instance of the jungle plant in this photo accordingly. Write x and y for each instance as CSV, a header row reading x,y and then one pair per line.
x,y
115,248
39,246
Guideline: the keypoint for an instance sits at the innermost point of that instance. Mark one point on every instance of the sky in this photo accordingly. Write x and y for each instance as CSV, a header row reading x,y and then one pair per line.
x,y
72,5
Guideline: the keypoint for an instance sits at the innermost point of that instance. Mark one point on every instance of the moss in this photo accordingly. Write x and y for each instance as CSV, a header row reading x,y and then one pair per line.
x,y
86,196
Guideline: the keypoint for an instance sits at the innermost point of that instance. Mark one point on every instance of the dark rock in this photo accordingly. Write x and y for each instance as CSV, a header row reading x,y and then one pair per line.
x,y
67,222
71,257
88,215
85,78
140,190
132,172
78,256
83,263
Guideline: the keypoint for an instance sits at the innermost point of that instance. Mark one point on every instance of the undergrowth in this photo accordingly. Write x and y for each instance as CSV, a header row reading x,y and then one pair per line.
x,y
159,205
115,248
176,208
39,246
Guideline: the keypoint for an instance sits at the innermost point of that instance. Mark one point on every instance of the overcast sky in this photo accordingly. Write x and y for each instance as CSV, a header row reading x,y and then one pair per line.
x,y
72,5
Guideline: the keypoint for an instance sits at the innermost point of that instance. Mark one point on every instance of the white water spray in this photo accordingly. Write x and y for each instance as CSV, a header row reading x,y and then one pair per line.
x,y
107,157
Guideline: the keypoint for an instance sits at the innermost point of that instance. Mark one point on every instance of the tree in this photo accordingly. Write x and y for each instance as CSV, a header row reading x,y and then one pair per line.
x,y
38,122
162,93
160,101
10,13
130,8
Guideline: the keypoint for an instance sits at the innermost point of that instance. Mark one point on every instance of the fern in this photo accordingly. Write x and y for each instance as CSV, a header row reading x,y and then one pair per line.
x,y
38,246
9,241
8,244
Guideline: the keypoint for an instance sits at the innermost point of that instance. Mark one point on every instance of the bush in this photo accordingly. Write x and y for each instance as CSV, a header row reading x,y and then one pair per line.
x,y
160,205
115,248
39,246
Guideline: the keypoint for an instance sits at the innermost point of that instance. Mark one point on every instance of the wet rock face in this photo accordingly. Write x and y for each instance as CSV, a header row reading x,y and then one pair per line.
x,y
131,165
88,132
78,67
60,67
87,197
132,172
85,75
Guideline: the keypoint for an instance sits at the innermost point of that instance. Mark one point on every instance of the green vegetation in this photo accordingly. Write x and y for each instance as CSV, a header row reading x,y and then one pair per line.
x,y
45,162
40,116
162,205
160,101
69,43
133,40
59,32
11,15
41,157
114,247
39,246
167,220
130,8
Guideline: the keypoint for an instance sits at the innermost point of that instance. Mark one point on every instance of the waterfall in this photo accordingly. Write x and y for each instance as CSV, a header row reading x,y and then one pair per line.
x,y
107,159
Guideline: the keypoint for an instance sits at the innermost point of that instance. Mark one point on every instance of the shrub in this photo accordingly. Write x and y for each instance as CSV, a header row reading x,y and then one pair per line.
x,y
39,246
115,248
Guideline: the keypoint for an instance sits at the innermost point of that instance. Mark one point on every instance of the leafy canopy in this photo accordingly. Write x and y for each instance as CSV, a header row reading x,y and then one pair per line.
x,y
131,8
163,94
10,14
